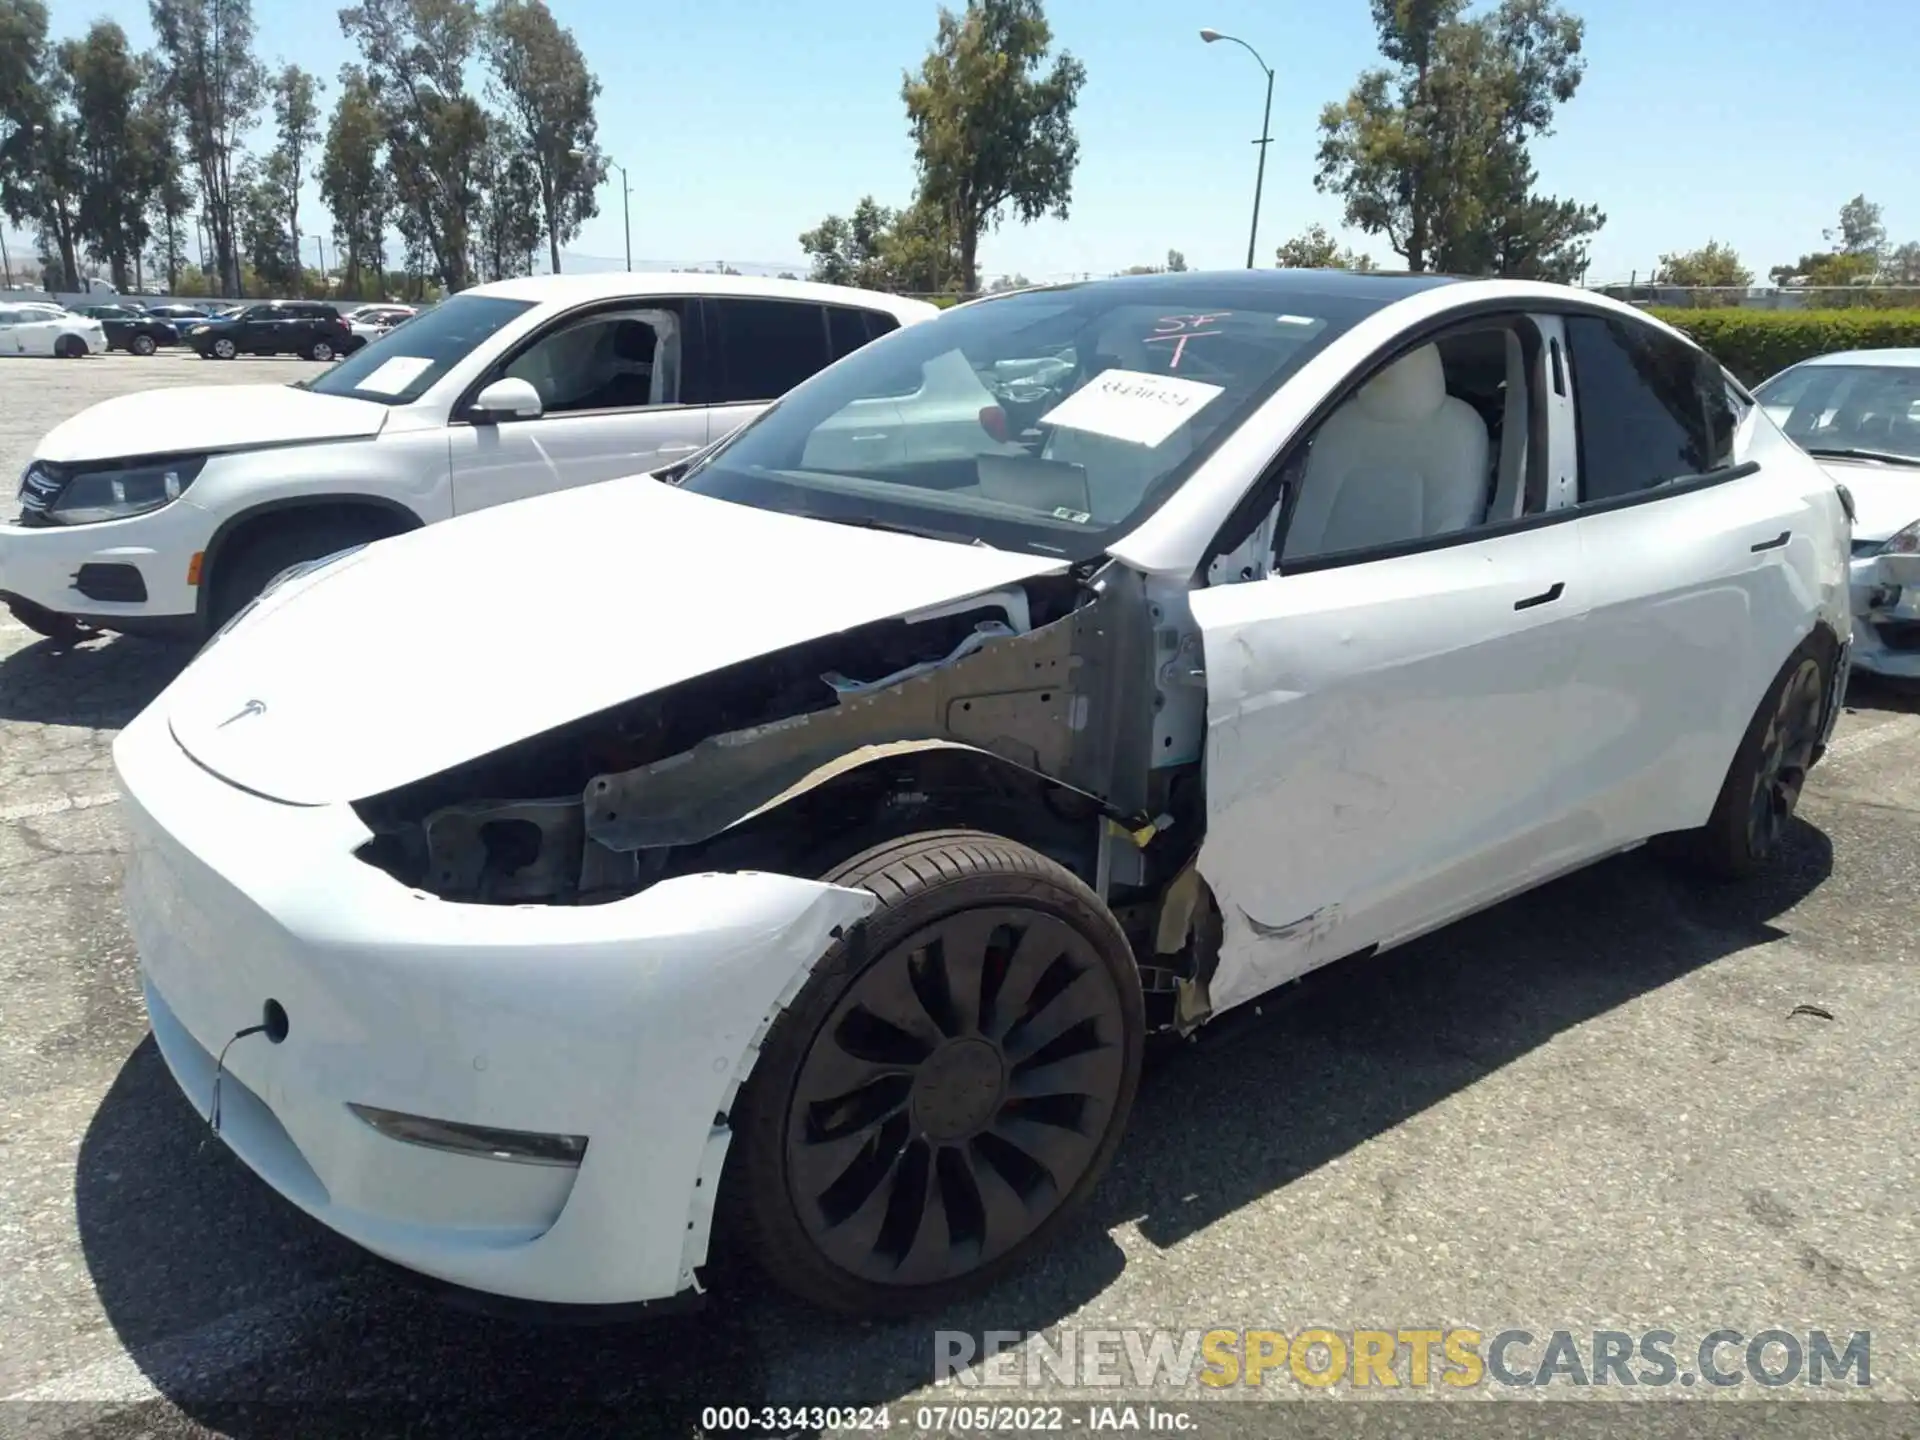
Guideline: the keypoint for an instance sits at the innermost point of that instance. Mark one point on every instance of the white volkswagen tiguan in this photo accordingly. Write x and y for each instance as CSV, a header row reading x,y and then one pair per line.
x,y
505,391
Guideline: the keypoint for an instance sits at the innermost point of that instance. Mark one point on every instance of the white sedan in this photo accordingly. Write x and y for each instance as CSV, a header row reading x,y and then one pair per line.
x,y
1858,413
47,330
814,889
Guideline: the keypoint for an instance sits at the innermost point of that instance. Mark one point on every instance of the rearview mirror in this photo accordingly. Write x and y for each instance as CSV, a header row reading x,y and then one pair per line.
x,y
508,399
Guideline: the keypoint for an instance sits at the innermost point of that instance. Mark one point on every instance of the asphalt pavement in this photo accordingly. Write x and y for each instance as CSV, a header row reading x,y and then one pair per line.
x,y
1625,1102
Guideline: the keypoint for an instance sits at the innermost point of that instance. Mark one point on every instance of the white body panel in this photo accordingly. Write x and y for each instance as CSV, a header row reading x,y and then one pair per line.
x,y
493,464
630,547
629,1023
1367,762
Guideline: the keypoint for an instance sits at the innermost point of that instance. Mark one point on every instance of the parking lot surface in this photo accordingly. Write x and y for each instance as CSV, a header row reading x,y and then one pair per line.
x,y
1624,1102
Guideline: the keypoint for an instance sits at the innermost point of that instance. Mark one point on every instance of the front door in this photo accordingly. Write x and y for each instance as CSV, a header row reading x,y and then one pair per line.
x,y
614,386
1384,746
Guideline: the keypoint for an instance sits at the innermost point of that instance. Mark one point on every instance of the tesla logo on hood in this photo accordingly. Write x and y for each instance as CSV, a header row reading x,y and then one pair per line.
x,y
252,707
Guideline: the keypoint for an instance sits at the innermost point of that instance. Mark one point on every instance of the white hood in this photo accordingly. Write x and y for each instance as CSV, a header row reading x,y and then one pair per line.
x,y
1886,498
207,418
453,641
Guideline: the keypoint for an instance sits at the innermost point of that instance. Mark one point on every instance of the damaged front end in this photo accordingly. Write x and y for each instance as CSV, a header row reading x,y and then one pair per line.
x,y
1886,606
1038,711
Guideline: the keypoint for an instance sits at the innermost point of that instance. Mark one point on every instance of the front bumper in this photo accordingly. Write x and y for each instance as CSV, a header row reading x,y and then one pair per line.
x,y
1886,609
44,564
631,1023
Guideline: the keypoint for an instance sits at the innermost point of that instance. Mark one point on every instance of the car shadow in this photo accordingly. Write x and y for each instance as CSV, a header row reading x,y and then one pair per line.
x,y
101,682
1870,692
180,1240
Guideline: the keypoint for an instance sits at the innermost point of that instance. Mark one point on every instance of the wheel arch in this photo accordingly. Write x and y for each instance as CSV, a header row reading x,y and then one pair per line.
x,y
390,516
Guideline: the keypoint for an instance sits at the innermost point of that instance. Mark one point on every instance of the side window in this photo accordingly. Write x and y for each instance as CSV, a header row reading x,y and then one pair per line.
x,y
612,360
767,347
1442,440
1650,409
849,329
260,312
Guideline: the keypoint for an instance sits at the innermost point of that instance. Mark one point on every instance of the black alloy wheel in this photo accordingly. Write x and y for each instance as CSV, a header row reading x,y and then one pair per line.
x,y
949,1085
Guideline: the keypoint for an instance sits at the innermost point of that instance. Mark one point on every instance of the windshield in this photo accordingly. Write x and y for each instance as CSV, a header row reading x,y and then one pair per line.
x,y
1871,409
1050,421
402,367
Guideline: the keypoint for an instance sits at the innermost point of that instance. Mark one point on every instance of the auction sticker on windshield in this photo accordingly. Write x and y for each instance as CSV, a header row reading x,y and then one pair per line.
x,y
394,376
1132,405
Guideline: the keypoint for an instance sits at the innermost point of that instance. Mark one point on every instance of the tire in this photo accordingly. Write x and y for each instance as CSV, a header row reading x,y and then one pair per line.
x,y
142,345
320,351
69,347
222,349
244,573
830,1220
1762,786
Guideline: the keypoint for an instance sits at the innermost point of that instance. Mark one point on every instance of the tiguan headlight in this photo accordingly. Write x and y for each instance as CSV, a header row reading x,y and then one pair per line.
x,y
127,490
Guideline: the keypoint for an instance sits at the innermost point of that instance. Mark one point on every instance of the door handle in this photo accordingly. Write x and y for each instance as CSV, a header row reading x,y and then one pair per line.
x,y
1545,597
1776,543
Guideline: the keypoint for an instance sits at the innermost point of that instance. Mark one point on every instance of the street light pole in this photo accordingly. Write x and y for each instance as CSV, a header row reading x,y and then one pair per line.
x,y
626,212
1266,136
626,191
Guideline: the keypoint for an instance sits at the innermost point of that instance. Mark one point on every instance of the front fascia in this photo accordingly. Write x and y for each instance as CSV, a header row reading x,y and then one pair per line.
x,y
632,1023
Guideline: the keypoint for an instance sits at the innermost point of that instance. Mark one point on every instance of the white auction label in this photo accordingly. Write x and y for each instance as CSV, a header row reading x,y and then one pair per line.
x,y
394,376
1132,405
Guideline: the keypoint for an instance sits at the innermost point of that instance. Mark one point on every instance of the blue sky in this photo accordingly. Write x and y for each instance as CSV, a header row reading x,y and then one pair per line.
x,y
742,122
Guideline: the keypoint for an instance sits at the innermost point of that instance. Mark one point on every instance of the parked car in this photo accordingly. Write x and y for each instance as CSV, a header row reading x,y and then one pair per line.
x,y
503,392
1858,414
131,330
796,857
276,327
177,315
372,322
31,329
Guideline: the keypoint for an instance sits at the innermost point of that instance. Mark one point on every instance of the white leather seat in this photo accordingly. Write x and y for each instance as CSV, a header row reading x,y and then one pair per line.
x,y
1400,460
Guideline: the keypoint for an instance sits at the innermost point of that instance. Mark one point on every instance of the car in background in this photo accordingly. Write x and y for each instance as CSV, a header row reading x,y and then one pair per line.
x,y
36,329
1858,413
372,322
827,921
131,330
311,329
177,315
170,510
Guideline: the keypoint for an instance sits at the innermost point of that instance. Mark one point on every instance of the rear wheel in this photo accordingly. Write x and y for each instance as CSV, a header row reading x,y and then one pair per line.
x,y
1762,788
142,345
947,1088
320,350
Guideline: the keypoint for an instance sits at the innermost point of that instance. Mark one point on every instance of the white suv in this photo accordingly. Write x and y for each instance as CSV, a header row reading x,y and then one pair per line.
x,y
504,391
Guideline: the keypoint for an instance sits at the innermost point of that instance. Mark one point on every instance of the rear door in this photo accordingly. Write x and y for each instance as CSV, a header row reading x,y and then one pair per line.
x,y
1693,551
623,390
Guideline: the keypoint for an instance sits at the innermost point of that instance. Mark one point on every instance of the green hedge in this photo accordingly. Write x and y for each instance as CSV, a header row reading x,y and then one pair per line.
x,y
1754,344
